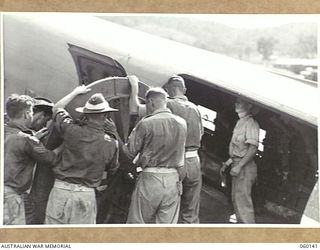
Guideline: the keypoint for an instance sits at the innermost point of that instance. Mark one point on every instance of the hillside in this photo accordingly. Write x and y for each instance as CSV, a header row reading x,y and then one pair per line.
x,y
296,40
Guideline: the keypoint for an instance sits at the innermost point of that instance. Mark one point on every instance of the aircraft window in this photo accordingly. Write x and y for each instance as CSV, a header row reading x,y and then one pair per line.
x,y
92,66
208,117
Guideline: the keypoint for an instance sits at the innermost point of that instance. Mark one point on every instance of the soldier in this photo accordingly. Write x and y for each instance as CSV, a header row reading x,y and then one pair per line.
x,y
36,201
22,149
159,141
179,105
86,155
42,113
192,182
242,150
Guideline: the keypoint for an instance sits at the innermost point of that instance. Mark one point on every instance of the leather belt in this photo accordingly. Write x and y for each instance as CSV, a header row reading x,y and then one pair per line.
x,y
161,170
71,186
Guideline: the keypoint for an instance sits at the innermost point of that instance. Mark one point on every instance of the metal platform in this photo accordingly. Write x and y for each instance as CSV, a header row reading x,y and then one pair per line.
x,y
216,208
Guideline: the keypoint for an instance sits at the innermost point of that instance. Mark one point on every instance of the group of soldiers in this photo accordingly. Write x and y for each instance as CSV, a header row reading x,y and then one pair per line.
x,y
164,144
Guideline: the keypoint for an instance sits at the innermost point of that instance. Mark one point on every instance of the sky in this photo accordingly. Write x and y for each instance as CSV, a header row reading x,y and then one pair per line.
x,y
252,21
249,21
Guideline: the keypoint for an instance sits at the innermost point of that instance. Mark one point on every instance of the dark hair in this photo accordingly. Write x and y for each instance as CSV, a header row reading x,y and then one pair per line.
x,y
42,108
17,104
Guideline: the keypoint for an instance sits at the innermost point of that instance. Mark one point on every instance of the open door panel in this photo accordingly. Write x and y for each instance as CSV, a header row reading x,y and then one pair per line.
x,y
116,90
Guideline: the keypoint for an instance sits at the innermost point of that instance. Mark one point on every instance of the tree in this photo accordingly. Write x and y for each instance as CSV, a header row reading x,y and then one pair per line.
x,y
307,46
265,46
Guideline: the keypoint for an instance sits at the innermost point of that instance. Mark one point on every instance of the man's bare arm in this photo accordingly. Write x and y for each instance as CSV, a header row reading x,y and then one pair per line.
x,y
62,103
134,103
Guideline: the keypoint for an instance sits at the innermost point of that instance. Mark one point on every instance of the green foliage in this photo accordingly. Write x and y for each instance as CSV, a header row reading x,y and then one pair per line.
x,y
265,46
289,40
307,45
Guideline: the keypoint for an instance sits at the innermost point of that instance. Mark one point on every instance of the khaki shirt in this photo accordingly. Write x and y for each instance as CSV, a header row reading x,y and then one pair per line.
x,y
21,151
87,152
245,132
159,139
180,106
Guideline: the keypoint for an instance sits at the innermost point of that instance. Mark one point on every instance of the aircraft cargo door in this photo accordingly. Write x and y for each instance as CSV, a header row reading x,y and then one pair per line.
x,y
92,66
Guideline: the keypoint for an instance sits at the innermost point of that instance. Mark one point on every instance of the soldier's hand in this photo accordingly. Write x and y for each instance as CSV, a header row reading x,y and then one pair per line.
x,y
110,127
134,83
182,173
223,168
235,170
102,188
41,133
82,89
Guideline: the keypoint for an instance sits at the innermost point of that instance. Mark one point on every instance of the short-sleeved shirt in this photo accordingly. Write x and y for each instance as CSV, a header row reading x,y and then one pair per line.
x,y
245,132
159,139
21,151
87,151
180,106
